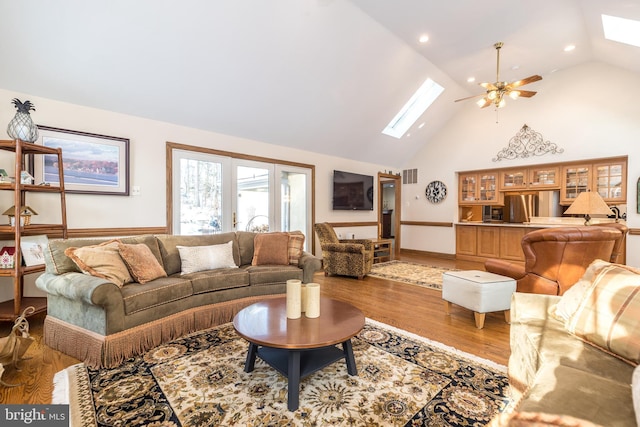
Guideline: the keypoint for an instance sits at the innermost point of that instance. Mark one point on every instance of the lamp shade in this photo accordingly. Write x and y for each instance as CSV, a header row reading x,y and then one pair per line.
x,y
588,203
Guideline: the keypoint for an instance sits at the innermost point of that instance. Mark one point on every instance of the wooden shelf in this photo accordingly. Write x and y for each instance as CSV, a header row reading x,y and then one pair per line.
x,y
382,250
10,310
6,308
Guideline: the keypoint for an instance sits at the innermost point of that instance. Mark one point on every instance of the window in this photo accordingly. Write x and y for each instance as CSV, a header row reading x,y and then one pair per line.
x,y
417,105
621,30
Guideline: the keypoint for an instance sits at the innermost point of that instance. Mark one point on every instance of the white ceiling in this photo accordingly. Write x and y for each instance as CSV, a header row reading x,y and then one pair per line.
x,y
320,75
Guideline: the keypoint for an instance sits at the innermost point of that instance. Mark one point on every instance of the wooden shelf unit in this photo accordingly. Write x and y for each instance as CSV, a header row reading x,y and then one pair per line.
x,y
10,310
382,250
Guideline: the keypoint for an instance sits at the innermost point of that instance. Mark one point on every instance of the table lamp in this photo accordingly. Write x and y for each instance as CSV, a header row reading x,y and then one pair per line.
x,y
588,203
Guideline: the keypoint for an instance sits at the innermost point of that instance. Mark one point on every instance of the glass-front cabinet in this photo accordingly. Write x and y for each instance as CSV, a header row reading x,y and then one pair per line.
x,y
609,181
544,177
531,178
479,188
608,178
576,180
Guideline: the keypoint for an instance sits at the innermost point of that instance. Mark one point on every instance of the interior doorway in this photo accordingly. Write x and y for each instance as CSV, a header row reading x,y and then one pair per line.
x,y
389,208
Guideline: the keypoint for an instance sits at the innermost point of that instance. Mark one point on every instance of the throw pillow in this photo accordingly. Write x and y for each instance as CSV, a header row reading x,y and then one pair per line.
x,y
200,258
102,261
570,300
296,246
608,315
271,248
143,265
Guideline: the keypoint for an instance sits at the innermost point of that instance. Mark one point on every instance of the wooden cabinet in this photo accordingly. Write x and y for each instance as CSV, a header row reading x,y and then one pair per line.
x,y
510,243
481,242
538,177
488,242
466,239
479,189
10,310
607,177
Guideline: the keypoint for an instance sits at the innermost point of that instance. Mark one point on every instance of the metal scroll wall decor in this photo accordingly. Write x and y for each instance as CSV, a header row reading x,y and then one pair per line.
x,y
527,143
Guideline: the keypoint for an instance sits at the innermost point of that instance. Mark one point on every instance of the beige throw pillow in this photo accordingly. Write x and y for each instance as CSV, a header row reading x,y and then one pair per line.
x,y
608,314
102,261
271,249
200,258
571,299
142,264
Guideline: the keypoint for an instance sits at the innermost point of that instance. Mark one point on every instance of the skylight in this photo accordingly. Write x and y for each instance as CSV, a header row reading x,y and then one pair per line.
x,y
418,104
621,30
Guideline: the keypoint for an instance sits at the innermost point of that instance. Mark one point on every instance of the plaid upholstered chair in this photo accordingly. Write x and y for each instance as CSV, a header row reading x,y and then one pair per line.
x,y
352,257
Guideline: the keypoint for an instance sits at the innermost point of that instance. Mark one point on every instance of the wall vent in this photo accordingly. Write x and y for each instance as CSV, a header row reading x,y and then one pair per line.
x,y
410,176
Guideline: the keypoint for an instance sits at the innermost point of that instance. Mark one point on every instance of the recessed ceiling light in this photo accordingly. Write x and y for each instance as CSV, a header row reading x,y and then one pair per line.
x,y
515,67
569,48
423,38
621,30
421,125
471,79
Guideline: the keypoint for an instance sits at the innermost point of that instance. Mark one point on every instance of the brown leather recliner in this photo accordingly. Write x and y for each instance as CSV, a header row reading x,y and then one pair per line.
x,y
556,258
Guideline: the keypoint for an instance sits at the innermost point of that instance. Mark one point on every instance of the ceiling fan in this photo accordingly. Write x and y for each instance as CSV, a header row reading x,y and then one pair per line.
x,y
496,91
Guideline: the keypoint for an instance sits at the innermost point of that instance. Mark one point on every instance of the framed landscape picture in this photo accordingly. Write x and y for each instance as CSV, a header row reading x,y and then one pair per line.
x,y
93,164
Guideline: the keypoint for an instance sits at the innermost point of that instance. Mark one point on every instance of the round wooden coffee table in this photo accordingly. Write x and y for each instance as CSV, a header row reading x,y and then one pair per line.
x,y
299,347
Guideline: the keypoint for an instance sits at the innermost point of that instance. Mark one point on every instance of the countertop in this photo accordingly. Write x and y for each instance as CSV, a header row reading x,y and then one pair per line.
x,y
541,222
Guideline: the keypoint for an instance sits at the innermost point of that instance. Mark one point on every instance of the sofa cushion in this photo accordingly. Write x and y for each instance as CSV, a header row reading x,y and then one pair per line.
x,y
141,262
200,258
609,312
102,261
296,246
223,278
271,248
245,246
270,274
564,390
157,292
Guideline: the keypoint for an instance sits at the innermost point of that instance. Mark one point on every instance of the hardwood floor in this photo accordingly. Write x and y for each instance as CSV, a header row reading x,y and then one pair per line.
x,y
412,308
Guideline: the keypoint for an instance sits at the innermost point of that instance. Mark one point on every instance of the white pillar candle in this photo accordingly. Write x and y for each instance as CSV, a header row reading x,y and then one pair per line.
x,y
303,297
312,309
294,300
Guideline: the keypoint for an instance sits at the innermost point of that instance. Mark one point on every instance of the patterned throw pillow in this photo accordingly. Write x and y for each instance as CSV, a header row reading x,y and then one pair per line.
x,y
296,246
271,249
200,258
102,261
608,315
143,265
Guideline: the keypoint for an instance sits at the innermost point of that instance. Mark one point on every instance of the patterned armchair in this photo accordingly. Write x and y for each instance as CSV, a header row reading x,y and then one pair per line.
x,y
352,257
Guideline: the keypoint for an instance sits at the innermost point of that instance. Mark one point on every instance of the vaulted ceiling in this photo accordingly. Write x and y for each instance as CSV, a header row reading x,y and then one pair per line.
x,y
320,75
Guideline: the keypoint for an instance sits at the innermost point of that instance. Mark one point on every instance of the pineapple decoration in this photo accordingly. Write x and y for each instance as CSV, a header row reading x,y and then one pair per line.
x,y
21,126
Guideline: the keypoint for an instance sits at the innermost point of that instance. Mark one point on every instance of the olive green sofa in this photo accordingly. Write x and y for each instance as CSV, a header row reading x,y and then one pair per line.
x,y
103,324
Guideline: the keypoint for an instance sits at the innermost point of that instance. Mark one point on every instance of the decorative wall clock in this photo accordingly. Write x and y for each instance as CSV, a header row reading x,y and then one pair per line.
x,y
436,191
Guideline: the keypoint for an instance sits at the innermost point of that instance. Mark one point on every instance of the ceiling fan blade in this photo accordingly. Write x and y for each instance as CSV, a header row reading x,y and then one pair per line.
x,y
469,97
527,93
526,81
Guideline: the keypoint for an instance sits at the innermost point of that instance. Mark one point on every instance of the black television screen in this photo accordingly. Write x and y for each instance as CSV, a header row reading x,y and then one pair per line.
x,y
352,191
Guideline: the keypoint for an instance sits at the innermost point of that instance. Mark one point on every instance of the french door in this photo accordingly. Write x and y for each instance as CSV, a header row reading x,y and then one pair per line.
x,y
214,194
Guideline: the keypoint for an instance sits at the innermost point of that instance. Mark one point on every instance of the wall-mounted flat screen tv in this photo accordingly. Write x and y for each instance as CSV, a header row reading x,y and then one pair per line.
x,y
352,191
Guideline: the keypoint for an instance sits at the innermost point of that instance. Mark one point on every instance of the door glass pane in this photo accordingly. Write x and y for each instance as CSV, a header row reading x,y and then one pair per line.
x,y
200,197
252,209
293,203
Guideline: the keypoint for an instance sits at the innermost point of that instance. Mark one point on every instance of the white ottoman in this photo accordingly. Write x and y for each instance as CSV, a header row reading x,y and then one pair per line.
x,y
479,291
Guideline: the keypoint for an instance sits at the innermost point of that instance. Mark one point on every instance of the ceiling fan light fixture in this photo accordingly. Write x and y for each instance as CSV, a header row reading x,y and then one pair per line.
x,y
502,103
482,102
514,94
492,95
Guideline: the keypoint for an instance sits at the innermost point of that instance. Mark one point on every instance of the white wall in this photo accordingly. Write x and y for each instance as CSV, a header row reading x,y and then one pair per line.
x,y
590,111
147,170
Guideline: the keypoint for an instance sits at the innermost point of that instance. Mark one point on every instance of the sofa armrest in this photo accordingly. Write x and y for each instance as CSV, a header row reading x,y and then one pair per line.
x,y
367,243
78,286
354,248
309,264
504,268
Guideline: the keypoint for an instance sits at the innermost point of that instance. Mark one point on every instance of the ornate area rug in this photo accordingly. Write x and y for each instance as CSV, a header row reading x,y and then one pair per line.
x,y
409,272
199,380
